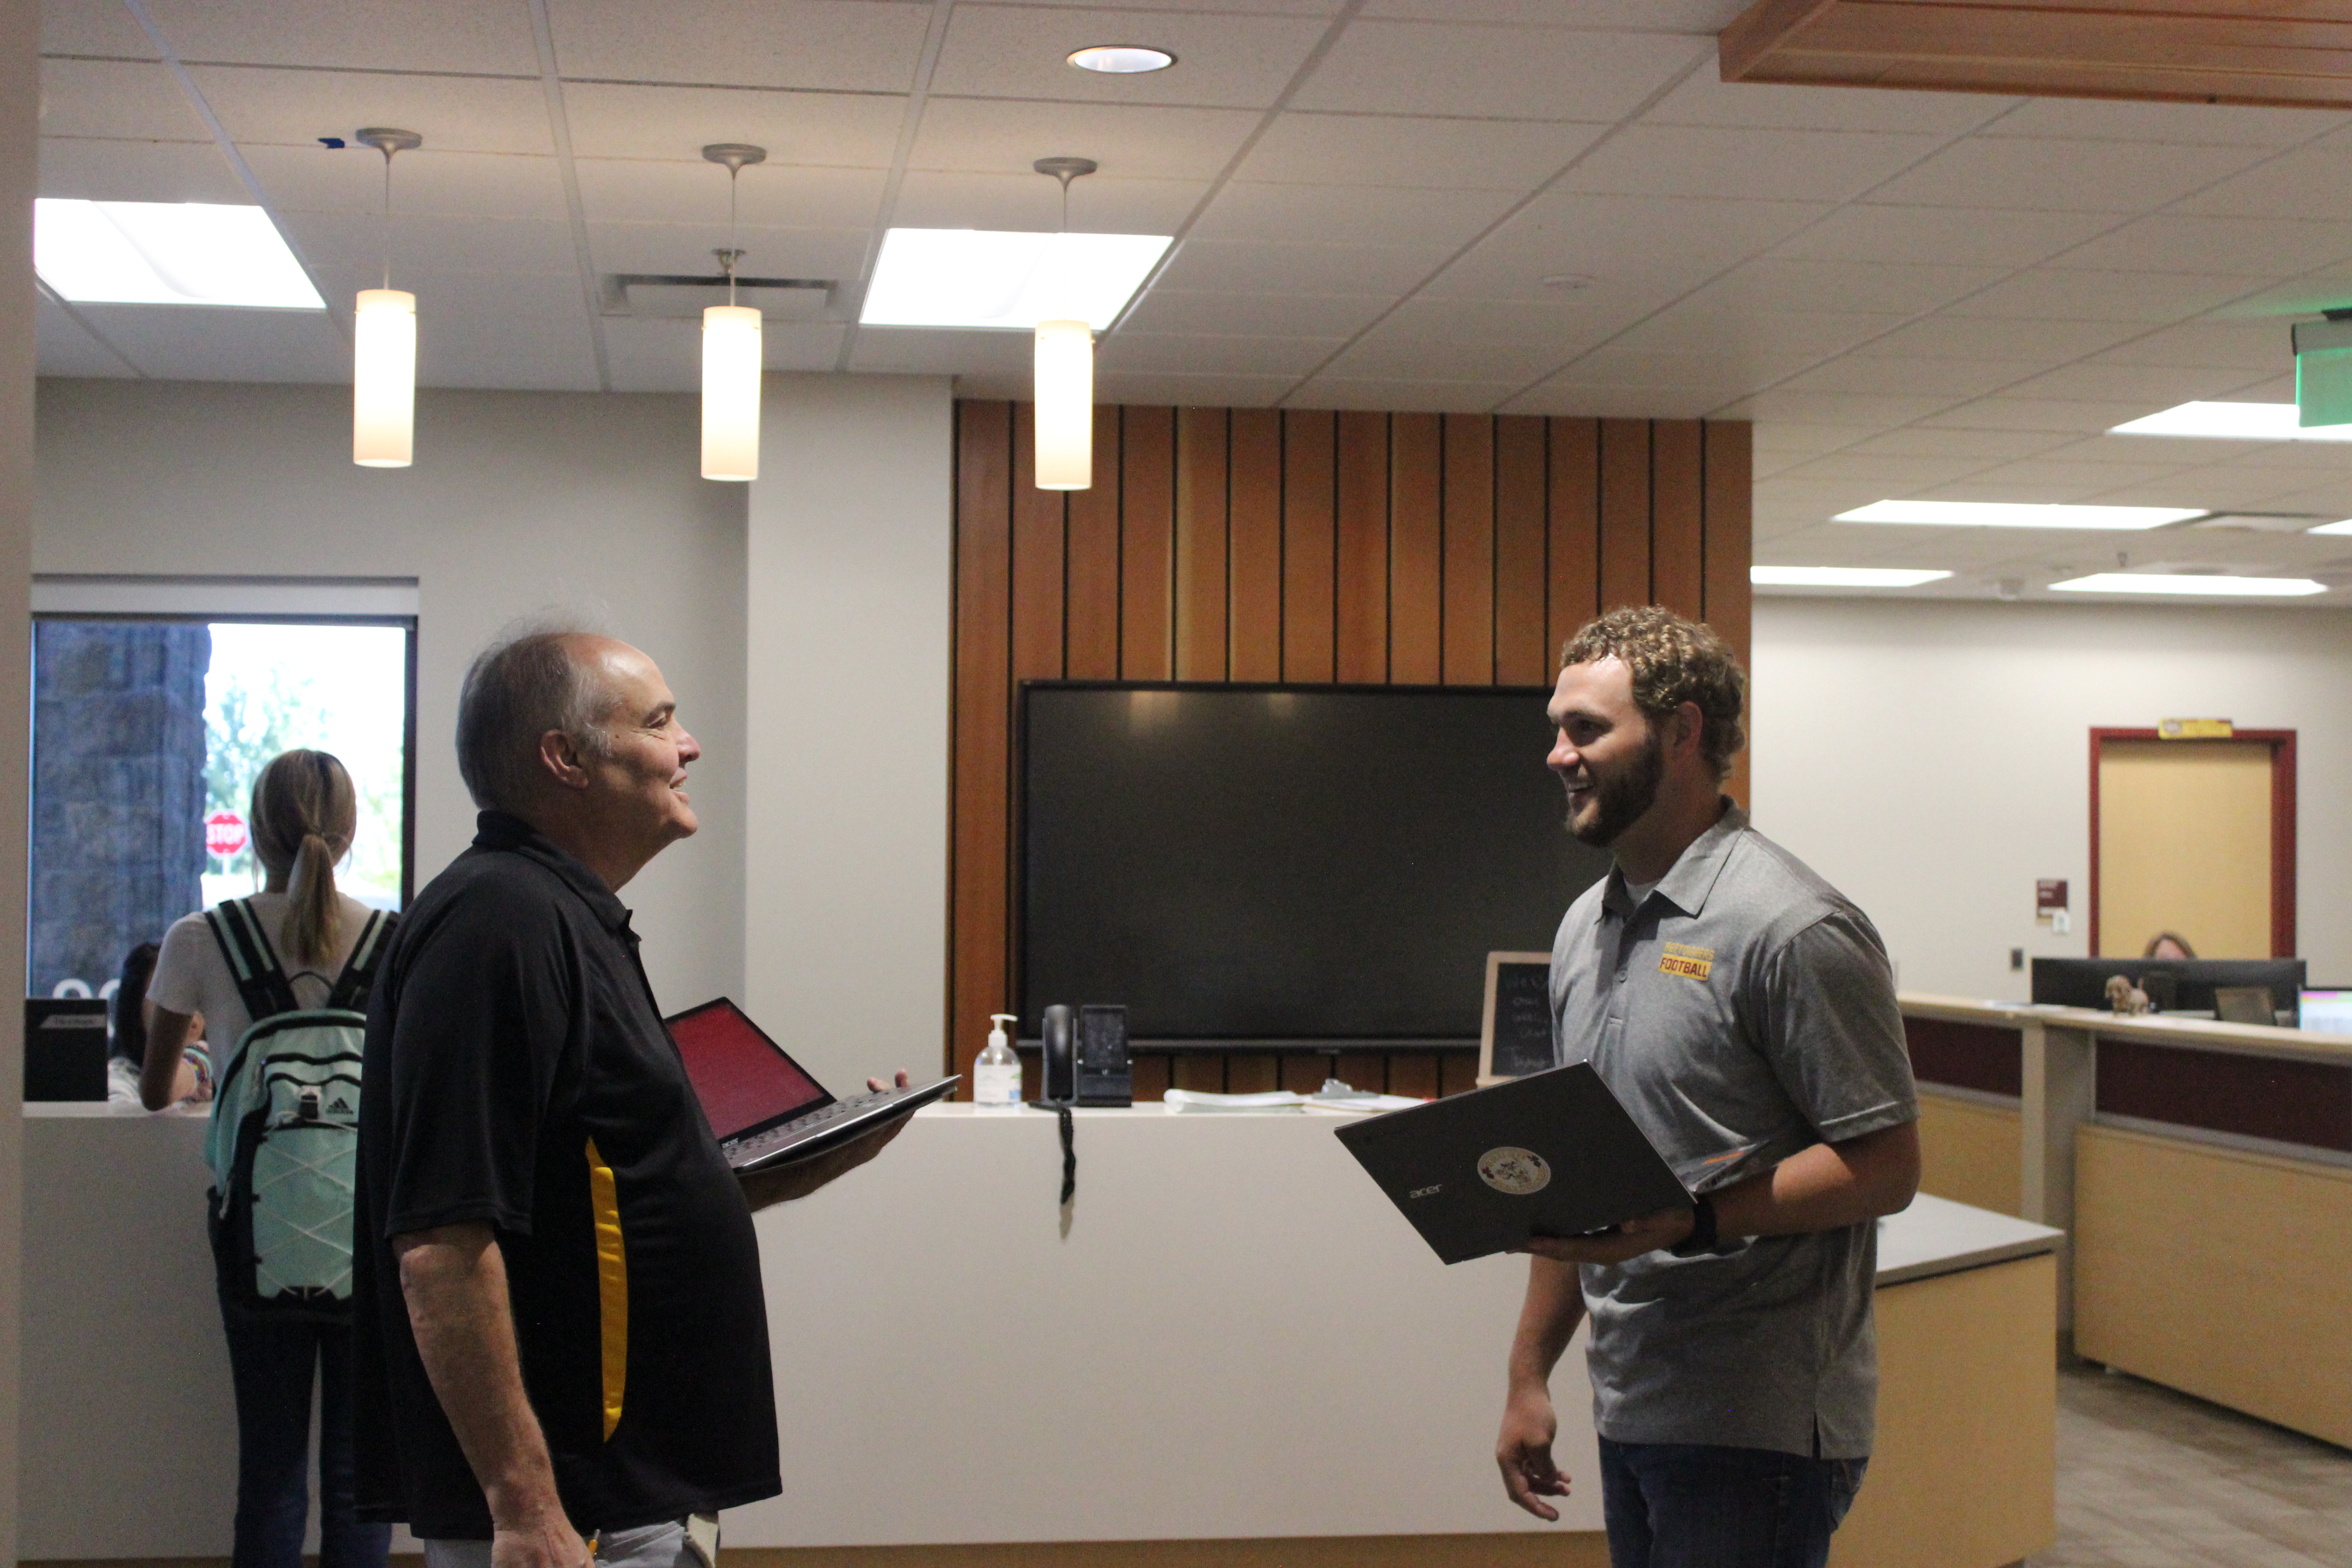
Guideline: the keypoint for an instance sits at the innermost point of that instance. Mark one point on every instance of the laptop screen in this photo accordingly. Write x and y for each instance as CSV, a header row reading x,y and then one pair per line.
x,y
743,1079
2328,1012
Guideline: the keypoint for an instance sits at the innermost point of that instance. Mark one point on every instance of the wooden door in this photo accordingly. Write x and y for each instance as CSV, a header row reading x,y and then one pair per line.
x,y
2196,838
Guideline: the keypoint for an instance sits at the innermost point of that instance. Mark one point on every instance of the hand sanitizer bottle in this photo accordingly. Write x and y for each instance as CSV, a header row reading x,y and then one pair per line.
x,y
996,1075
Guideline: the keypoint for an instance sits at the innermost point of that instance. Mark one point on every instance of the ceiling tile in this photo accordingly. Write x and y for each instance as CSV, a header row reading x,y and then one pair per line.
x,y
1959,236
914,352
1993,338
1119,11
2329,288
2177,242
1340,216
1420,397
1032,204
1201,354
841,45
1731,373
347,250
2234,345
1650,244
1883,472
1694,328
1554,397
93,27
2081,295
1915,376
1706,99
1782,283
1218,264
460,184
1706,17
2194,123
992,136
685,249
1165,310
1164,390
1746,163
454,115
193,342
666,356
1224,61
769,195
115,99
855,130
2035,414
1500,73
498,332
1833,407
2157,387
2062,176
1399,150
107,171
1566,320
1989,446
1380,356
63,348
459,36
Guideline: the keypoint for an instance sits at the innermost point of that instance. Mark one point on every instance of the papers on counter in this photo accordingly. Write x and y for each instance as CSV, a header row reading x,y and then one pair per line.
x,y
1333,1096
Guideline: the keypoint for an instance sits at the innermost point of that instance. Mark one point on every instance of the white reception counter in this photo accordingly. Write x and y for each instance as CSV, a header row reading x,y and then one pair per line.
x,y
1236,1338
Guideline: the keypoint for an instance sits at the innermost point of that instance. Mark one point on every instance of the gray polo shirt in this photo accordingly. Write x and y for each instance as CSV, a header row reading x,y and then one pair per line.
x,y
1744,1012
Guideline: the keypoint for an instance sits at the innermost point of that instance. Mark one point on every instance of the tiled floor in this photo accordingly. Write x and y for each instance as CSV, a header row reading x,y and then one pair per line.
x,y
2151,1478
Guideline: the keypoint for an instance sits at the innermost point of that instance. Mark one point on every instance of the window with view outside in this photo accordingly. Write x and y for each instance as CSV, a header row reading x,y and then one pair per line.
x,y
147,737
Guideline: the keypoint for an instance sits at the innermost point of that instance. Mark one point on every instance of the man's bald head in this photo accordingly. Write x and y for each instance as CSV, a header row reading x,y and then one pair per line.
x,y
518,689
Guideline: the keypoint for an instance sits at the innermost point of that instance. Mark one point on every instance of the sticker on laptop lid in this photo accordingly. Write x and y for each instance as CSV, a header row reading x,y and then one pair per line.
x,y
1520,1172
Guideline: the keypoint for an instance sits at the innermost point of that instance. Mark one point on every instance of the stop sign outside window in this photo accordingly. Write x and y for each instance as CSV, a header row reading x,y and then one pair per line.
x,y
225,834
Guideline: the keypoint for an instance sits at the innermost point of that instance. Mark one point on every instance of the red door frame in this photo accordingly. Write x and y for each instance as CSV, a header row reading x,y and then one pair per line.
x,y
2281,745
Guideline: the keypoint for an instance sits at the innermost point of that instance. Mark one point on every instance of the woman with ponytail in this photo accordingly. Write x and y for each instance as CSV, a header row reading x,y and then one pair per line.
x,y
304,815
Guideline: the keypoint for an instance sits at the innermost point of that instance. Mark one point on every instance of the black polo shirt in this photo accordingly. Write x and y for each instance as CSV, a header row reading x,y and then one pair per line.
x,y
517,1072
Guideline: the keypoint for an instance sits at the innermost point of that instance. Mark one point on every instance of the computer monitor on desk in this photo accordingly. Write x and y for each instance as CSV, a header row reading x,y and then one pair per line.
x,y
2173,984
2327,1009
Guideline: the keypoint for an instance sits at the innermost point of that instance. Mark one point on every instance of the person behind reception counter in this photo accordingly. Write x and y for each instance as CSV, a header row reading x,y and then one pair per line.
x,y
192,1077
563,1329
1743,1011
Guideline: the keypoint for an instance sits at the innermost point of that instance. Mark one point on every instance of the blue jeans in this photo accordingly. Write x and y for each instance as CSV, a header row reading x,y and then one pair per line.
x,y
271,1364
1693,1505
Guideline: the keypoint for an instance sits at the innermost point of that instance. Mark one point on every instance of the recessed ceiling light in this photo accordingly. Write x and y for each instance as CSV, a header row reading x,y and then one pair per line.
x,y
2015,514
2227,588
2233,422
1122,60
2343,527
166,253
1842,576
990,279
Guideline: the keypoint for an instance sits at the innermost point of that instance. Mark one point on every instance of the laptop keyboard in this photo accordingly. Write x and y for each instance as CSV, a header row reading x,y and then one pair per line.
x,y
739,1150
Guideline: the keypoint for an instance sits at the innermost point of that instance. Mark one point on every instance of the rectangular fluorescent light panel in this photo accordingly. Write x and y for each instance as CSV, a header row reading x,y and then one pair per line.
x,y
2343,527
2015,514
990,279
2233,422
1841,576
167,253
2227,588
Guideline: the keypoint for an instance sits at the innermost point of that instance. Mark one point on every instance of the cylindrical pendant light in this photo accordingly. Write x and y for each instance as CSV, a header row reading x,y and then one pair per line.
x,y
1065,372
1065,405
383,379
730,348
383,341
730,393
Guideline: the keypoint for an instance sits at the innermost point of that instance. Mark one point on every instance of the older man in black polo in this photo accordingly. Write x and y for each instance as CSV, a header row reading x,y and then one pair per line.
x,y
561,1332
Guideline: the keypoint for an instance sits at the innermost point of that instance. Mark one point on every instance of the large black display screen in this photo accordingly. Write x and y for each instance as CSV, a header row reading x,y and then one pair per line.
x,y
1254,864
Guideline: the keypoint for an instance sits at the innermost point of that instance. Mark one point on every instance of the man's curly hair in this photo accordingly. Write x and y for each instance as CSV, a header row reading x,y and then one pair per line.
x,y
1672,661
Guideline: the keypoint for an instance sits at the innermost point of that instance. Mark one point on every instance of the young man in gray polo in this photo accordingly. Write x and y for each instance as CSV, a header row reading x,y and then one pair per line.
x,y
1744,1013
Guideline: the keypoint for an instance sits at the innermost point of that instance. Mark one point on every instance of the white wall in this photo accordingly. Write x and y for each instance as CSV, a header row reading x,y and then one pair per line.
x,y
1933,759
851,569
519,503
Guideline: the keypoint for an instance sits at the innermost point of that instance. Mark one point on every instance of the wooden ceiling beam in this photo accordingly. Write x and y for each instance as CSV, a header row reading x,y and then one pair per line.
x,y
2283,53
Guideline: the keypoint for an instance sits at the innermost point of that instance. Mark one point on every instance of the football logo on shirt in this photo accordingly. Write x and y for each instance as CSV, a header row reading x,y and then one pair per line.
x,y
1690,962
1518,1172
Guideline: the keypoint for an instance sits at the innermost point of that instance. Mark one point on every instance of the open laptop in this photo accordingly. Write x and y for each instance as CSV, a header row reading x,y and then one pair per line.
x,y
1549,1154
765,1108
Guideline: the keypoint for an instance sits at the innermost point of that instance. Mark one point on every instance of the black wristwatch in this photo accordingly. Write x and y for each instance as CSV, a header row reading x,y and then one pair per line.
x,y
1702,1236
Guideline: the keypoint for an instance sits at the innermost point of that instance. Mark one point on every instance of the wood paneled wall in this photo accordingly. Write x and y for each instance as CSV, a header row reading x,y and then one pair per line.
x,y
1262,544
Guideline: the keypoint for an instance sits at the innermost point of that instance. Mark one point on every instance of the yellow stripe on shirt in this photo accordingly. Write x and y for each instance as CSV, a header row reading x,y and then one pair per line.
x,y
612,1283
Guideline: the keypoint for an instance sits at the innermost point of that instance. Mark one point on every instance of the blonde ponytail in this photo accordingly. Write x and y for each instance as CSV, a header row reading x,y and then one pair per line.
x,y
304,815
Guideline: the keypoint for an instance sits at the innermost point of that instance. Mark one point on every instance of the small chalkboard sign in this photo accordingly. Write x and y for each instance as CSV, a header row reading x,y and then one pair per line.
x,y
1515,1037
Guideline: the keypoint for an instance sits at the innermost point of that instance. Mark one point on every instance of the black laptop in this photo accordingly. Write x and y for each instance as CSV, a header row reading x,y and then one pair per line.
x,y
765,1106
1549,1154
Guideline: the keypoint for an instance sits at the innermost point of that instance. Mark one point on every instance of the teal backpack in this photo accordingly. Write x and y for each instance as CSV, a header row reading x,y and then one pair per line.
x,y
285,1130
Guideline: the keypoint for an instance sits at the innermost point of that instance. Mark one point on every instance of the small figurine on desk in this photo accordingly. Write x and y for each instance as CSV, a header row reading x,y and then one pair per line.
x,y
2127,999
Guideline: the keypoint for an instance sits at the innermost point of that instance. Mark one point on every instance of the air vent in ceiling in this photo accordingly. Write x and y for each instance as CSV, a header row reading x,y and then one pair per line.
x,y
676,296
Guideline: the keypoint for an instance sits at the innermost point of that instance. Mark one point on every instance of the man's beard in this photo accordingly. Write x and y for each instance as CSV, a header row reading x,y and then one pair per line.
x,y
1619,799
